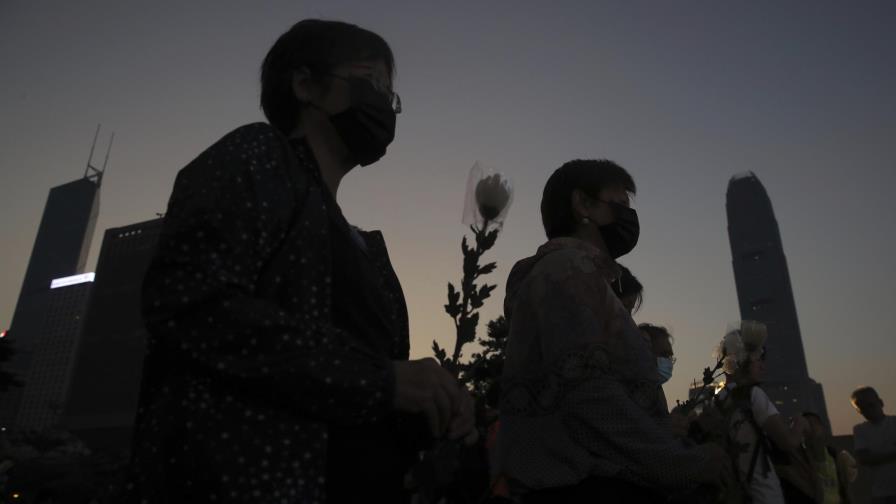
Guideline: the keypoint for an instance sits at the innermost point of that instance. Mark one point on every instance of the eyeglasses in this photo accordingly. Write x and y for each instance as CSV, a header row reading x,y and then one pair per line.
x,y
627,204
394,99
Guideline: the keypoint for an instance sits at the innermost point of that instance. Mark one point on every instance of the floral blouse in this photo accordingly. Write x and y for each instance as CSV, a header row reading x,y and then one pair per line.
x,y
580,391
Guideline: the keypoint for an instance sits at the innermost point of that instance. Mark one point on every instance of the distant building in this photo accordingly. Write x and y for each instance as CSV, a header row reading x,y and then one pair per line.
x,y
105,388
60,250
46,384
765,294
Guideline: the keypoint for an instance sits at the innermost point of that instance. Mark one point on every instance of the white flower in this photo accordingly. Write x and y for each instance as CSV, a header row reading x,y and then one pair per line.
x,y
492,195
731,351
488,198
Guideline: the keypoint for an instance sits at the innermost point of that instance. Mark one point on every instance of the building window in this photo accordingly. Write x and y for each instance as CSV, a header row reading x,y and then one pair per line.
x,y
760,304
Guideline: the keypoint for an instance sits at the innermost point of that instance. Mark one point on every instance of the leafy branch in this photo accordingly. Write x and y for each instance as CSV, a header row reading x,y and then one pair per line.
x,y
464,304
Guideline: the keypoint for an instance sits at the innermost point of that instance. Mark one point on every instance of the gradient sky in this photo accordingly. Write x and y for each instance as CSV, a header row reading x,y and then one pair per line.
x,y
683,94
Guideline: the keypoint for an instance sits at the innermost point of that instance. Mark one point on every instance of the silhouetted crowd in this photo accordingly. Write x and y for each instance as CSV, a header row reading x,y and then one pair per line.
x,y
278,367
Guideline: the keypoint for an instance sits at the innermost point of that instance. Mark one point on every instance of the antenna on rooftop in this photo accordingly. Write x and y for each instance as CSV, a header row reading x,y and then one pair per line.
x,y
92,172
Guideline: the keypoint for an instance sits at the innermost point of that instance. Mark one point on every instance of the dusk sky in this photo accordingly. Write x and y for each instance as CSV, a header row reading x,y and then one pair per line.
x,y
682,94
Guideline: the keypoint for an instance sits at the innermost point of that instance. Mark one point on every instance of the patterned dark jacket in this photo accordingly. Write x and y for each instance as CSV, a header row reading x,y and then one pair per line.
x,y
246,372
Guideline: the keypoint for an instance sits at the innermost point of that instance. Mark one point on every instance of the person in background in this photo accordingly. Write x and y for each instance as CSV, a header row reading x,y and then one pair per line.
x,y
753,420
628,289
875,443
579,416
805,476
661,345
835,471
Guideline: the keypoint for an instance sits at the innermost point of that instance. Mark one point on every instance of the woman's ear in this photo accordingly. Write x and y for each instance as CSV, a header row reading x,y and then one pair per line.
x,y
301,84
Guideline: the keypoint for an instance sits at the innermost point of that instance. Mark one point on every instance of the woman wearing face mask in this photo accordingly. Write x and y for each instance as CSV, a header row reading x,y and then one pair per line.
x,y
579,415
278,364
661,346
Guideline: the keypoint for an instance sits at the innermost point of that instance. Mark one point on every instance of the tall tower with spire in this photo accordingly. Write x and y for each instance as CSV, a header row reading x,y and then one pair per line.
x,y
765,294
60,251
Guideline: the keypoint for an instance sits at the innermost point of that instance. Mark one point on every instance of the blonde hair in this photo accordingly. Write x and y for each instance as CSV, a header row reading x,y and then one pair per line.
x,y
741,345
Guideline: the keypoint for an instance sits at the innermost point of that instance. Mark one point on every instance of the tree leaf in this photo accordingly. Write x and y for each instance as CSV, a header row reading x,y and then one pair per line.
x,y
486,291
476,302
488,241
439,353
453,308
488,268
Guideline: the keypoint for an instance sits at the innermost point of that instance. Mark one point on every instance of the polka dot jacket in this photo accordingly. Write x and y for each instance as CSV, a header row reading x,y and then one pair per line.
x,y
245,368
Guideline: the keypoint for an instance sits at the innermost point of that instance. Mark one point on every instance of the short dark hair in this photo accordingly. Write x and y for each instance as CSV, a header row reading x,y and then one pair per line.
x,y
318,45
590,176
655,331
862,391
628,285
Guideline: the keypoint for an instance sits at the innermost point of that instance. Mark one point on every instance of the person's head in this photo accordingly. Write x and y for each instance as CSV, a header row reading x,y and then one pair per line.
x,y
628,289
331,67
661,344
817,430
743,352
866,401
755,368
591,198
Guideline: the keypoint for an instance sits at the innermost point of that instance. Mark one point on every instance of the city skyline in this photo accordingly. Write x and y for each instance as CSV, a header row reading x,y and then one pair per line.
x,y
682,96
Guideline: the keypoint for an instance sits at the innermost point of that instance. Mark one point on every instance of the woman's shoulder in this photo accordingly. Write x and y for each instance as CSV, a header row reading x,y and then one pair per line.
x,y
558,275
762,405
256,131
573,262
252,157
252,149
252,139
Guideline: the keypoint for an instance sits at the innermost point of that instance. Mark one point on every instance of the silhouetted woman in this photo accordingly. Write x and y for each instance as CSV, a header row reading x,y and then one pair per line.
x,y
277,368
580,413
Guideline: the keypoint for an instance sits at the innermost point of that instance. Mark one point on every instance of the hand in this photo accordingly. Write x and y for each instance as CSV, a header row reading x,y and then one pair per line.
x,y
463,423
422,386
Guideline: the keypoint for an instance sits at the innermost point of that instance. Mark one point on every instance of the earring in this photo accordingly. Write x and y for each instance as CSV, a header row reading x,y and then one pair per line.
x,y
585,220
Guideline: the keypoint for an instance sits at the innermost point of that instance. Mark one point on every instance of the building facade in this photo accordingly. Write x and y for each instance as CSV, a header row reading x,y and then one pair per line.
x,y
60,250
765,294
46,385
105,387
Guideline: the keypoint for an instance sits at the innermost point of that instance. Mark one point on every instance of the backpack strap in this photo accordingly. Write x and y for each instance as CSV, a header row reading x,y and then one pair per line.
x,y
754,458
745,399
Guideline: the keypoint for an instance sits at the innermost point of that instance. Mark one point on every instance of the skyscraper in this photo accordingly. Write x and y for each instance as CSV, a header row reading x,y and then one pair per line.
x,y
60,250
765,294
46,384
103,399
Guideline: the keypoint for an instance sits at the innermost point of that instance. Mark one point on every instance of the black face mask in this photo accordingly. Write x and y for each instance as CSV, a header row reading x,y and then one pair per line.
x,y
367,126
621,235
